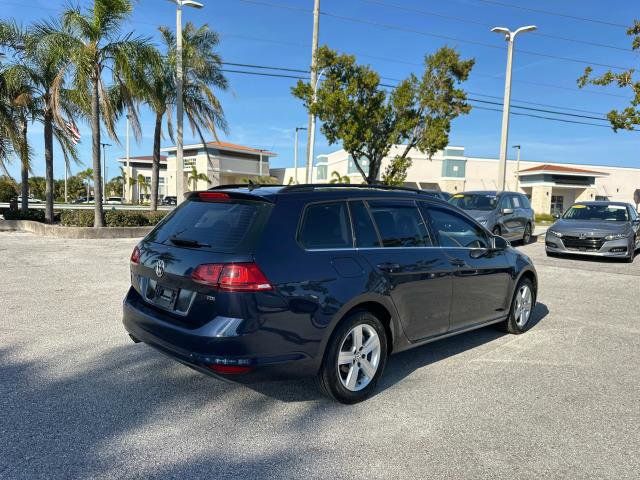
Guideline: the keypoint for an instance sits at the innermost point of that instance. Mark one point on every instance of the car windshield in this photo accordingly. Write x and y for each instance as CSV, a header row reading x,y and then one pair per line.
x,y
609,213
474,201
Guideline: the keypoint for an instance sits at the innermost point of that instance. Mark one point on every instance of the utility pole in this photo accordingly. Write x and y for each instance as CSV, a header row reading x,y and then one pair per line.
x,y
126,171
179,102
104,168
66,171
314,84
295,155
510,39
517,168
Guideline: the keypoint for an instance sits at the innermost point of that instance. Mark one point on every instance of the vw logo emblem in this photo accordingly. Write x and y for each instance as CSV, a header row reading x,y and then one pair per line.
x,y
583,235
160,268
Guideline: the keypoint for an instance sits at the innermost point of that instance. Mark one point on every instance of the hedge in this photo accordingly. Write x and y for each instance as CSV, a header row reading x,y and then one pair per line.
x,y
112,218
35,215
544,217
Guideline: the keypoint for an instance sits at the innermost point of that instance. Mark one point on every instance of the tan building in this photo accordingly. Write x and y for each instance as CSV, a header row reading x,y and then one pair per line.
x,y
552,187
225,163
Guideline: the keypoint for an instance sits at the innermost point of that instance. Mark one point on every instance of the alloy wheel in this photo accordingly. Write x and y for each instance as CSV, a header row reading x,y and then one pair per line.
x,y
526,238
359,357
522,305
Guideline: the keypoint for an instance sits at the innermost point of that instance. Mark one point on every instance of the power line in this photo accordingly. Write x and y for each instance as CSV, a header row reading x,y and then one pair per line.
x,y
471,99
556,14
483,24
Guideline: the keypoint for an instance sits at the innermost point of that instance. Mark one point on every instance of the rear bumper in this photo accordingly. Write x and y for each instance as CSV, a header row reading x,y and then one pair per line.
x,y
612,248
199,349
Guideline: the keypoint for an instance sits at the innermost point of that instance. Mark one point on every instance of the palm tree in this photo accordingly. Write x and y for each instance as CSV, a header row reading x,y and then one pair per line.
x,y
202,72
36,67
132,183
337,178
143,184
194,176
11,140
87,175
90,41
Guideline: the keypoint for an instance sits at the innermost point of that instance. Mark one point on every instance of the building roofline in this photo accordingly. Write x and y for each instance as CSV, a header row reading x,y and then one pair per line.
x,y
227,147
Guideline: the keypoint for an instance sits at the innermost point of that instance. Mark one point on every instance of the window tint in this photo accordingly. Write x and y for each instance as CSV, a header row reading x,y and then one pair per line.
x,y
363,228
326,225
606,212
525,201
515,200
505,202
227,227
399,223
474,201
454,230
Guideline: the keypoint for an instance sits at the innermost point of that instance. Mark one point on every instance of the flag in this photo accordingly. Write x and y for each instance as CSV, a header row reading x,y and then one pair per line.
x,y
73,132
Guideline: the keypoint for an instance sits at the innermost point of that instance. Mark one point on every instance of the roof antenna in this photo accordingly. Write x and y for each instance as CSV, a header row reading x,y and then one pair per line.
x,y
251,185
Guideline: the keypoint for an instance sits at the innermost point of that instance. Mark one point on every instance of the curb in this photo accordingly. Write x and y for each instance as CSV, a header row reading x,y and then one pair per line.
x,y
58,231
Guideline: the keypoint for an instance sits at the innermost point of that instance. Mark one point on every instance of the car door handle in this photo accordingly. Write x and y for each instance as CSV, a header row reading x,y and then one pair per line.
x,y
389,267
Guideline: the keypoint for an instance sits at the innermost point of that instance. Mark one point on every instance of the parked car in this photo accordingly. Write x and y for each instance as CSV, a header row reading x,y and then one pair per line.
x,y
30,200
437,194
605,229
169,200
508,214
84,199
272,282
113,201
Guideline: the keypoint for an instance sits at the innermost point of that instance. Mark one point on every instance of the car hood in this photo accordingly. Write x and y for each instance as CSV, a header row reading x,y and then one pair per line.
x,y
478,213
592,227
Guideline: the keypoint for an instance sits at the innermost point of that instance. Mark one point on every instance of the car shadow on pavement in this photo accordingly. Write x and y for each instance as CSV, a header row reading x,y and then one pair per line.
x,y
400,365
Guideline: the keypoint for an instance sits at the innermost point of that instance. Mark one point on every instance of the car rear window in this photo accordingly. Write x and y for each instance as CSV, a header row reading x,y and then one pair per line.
x,y
325,225
226,227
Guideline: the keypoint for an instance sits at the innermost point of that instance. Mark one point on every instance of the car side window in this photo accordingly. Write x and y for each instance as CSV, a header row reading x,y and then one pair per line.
x,y
325,225
633,213
400,223
515,200
525,201
505,202
365,232
453,230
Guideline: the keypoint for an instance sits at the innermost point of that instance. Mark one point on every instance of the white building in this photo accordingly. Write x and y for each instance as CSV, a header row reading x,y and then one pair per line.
x,y
552,187
225,163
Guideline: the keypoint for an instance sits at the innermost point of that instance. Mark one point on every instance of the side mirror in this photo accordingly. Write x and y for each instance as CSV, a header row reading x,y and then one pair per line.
x,y
499,243
555,215
507,211
636,221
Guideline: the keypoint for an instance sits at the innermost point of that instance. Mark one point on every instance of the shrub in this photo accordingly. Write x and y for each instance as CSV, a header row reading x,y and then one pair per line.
x,y
112,218
8,189
77,218
544,217
35,215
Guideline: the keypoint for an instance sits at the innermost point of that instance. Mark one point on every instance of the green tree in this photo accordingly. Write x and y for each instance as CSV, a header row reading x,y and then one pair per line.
x,y
357,110
90,40
12,142
337,178
37,187
8,188
194,176
143,184
37,68
86,176
114,187
629,117
202,68
396,171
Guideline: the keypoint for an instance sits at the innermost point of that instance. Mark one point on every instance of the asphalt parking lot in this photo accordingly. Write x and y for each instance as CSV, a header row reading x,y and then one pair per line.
x,y
79,400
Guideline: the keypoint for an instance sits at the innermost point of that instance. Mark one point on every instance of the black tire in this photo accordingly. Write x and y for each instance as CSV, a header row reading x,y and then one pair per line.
x,y
526,236
511,324
632,254
551,254
328,376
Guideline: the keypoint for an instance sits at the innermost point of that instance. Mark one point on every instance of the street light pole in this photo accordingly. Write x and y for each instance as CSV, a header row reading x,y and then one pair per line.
x,y
179,103
314,84
517,168
124,177
295,154
104,168
312,132
510,38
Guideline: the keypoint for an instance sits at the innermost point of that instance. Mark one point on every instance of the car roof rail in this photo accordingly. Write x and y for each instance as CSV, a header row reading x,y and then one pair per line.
x,y
250,186
303,187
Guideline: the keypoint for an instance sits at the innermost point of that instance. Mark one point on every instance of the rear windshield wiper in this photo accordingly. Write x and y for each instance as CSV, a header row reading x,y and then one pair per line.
x,y
187,242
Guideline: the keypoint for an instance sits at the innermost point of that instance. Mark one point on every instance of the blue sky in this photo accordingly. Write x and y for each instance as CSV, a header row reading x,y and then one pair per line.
x,y
261,111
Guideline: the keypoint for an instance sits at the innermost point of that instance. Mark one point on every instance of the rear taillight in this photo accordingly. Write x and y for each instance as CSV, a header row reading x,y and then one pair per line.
x,y
238,277
135,255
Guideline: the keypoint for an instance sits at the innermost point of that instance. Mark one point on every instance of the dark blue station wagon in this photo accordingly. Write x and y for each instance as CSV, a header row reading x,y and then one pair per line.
x,y
327,280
